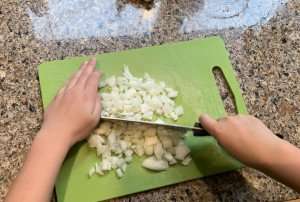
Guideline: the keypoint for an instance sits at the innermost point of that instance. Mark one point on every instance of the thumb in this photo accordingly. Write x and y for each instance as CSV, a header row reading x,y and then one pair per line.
x,y
209,124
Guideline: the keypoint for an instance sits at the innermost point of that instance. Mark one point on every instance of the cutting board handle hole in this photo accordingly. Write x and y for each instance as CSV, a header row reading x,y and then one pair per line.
x,y
225,91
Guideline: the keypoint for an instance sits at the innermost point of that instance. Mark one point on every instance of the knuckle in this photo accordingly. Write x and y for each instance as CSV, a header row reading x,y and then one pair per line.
x,y
252,118
232,119
246,117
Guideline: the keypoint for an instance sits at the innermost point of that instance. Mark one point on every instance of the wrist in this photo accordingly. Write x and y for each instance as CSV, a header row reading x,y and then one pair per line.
x,y
276,153
55,138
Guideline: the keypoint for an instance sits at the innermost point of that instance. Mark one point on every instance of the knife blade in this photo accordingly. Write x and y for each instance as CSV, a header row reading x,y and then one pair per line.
x,y
197,129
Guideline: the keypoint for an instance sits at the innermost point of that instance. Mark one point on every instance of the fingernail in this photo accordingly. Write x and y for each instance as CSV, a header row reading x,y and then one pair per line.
x,y
203,116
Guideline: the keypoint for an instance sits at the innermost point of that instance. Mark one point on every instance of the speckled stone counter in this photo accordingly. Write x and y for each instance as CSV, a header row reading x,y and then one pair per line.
x,y
266,59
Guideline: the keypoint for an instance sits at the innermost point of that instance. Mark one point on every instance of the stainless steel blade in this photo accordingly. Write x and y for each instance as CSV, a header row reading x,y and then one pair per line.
x,y
181,127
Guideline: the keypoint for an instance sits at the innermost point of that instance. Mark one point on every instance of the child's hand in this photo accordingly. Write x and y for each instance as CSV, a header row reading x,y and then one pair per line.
x,y
245,137
75,110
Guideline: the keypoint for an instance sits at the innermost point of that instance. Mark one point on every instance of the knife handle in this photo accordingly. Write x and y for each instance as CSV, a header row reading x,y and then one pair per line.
x,y
201,132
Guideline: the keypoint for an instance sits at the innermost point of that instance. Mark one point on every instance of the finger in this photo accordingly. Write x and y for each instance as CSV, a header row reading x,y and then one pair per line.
x,y
60,93
97,109
209,124
74,79
221,119
86,72
92,84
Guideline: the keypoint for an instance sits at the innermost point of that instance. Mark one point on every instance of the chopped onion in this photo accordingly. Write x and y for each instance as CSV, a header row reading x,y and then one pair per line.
x,y
169,157
158,151
116,143
117,148
186,161
92,171
104,128
119,173
137,98
94,140
148,150
152,163
181,151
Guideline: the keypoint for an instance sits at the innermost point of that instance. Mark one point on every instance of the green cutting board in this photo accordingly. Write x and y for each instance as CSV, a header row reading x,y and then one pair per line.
x,y
185,66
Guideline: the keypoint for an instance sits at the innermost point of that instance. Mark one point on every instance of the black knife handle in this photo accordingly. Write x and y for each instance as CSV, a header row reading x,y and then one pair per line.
x,y
200,133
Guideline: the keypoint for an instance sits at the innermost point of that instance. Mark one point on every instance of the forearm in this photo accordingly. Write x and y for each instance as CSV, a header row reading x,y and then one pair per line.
x,y
284,165
37,177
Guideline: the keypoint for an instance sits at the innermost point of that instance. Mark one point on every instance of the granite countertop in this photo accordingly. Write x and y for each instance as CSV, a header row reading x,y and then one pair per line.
x,y
265,55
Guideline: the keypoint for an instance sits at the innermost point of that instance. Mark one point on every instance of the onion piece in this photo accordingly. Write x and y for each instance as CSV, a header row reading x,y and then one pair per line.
x,y
169,157
92,171
119,173
94,141
148,150
181,151
158,151
154,164
131,97
186,161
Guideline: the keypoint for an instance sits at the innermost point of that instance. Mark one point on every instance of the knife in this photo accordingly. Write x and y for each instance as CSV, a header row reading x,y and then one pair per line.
x,y
197,129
